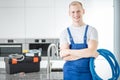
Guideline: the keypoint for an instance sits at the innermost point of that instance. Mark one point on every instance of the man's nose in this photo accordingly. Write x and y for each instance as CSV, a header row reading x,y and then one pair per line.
x,y
76,14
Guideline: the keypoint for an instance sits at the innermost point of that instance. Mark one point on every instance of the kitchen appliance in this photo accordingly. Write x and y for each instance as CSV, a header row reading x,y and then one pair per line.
x,y
6,49
13,46
42,45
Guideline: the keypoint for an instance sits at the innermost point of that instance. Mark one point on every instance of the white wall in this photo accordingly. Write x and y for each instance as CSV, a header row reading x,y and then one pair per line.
x,y
100,15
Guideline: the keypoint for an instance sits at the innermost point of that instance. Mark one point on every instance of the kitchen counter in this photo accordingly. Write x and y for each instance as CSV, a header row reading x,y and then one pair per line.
x,y
57,73
43,63
41,75
104,72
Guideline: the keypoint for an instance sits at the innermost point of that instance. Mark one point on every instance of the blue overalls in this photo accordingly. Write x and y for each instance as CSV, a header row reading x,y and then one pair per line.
x,y
77,69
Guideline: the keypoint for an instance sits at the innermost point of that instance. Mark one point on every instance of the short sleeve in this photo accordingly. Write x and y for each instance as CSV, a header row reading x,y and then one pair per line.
x,y
93,34
63,37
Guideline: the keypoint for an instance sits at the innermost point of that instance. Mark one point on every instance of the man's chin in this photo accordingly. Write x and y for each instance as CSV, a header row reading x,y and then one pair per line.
x,y
76,21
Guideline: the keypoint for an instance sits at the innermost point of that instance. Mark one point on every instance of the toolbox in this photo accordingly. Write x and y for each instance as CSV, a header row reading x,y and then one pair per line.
x,y
28,64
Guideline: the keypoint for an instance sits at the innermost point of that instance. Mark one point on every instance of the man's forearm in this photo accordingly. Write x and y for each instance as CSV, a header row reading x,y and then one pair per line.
x,y
77,54
84,53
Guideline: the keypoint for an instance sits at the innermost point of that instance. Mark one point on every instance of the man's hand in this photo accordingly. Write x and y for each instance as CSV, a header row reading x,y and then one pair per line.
x,y
64,53
70,58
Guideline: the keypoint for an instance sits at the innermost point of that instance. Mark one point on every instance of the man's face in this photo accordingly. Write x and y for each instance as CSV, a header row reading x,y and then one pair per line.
x,y
76,12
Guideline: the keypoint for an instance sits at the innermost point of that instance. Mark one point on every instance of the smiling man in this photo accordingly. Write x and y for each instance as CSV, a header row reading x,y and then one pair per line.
x,y
78,43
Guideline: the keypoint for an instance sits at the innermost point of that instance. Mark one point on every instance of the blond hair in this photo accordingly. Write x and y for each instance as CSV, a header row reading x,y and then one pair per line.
x,y
75,3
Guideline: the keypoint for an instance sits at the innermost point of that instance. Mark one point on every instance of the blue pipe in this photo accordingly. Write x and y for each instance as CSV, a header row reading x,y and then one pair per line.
x,y
111,60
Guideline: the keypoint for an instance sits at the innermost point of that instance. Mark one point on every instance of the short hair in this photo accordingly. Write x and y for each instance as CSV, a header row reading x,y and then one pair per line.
x,y
75,3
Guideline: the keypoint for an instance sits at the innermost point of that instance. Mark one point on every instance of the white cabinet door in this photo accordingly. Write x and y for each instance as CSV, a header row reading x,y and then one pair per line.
x,y
39,18
12,19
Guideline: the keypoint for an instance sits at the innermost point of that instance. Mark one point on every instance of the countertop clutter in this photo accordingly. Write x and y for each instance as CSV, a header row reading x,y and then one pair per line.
x,y
41,75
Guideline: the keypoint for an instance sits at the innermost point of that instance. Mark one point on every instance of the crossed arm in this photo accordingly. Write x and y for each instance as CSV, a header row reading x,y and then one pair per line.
x,y
71,54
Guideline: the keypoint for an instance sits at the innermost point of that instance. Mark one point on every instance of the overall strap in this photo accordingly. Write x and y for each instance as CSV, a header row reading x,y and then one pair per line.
x,y
85,35
70,36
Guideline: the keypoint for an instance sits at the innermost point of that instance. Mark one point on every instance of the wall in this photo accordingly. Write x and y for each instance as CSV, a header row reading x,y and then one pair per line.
x,y
116,29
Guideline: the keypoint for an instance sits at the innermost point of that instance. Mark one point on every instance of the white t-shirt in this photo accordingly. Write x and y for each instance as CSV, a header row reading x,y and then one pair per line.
x,y
78,34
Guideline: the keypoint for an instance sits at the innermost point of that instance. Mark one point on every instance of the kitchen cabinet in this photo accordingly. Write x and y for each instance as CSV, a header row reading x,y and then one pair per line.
x,y
32,18
27,19
11,3
12,19
39,22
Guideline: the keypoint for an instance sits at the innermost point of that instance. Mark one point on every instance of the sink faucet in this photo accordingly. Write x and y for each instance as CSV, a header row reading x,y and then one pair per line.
x,y
49,64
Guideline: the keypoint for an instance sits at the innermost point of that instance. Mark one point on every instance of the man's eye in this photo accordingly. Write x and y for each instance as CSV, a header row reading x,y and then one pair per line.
x,y
73,12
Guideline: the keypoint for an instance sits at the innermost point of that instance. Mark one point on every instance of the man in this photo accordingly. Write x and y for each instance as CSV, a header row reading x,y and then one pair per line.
x,y
77,44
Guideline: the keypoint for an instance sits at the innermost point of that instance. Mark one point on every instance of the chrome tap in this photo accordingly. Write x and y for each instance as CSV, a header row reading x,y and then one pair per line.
x,y
49,64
